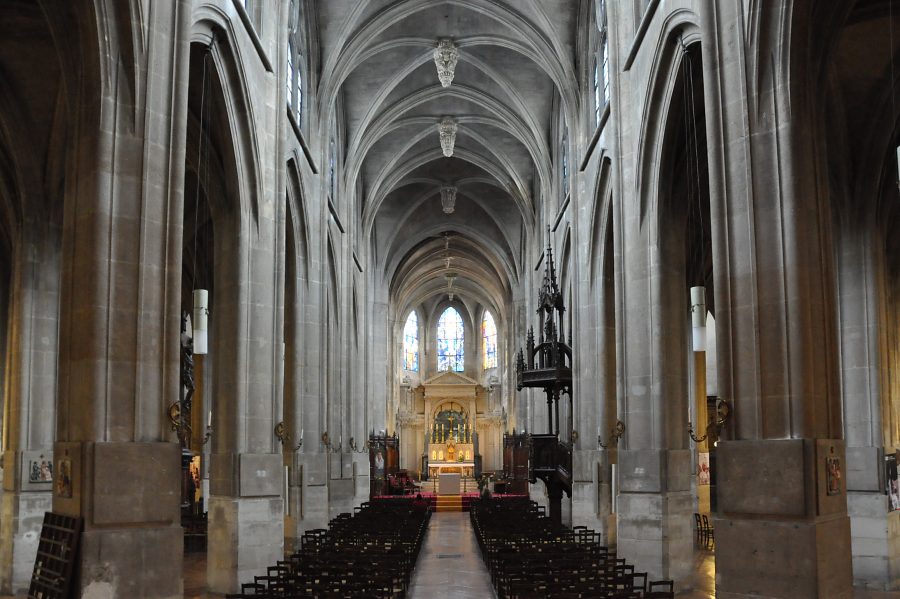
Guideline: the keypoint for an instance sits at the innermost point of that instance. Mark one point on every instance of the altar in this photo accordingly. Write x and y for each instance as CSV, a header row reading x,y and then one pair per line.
x,y
464,469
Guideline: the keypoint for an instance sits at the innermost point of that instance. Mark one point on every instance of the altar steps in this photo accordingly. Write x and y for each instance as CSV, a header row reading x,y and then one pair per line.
x,y
467,485
449,503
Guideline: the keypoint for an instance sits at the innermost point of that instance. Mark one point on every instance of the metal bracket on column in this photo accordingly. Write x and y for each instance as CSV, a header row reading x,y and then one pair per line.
x,y
617,432
284,437
722,413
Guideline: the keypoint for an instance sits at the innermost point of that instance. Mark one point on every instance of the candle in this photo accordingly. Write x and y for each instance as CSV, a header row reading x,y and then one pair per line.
x,y
209,419
301,434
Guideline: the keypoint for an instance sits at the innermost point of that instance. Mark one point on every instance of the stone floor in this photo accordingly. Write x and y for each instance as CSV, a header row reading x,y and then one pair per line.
x,y
450,563
450,567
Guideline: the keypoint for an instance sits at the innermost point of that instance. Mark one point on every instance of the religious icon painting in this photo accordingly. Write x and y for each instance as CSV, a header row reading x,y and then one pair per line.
x,y
832,475
40,471
64,478
703,474
891,482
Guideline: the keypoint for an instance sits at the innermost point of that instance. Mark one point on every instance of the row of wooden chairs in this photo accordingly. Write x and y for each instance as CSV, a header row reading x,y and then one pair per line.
x,y
370,553
704,535
529,557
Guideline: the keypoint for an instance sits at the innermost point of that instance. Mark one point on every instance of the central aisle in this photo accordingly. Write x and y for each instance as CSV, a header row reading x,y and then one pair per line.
x,y
450,563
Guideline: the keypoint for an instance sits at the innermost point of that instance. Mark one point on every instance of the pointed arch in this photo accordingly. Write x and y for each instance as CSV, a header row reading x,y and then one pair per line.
x,y
451,341
488,340
410,357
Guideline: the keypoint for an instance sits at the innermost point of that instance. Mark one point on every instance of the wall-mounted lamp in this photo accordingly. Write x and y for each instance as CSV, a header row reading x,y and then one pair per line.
x,y
363,449
284,437
615,434
326,441
722,413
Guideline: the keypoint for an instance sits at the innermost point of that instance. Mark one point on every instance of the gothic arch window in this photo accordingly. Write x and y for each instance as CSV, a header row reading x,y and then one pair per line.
x,y
411,343
564,162
290,74
489,340
298,109
295,62
450,339
603,58
331,166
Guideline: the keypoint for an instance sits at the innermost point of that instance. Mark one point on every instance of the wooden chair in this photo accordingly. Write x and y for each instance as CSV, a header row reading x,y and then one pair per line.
x,y
660,589
710,533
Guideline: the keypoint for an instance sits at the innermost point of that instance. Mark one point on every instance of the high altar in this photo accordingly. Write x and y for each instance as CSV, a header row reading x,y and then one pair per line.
x,y
446,423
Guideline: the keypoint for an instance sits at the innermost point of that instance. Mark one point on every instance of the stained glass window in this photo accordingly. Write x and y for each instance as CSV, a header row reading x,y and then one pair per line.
x,y
489,340
290,75
299,112
604,47
450,338
411,343
331,168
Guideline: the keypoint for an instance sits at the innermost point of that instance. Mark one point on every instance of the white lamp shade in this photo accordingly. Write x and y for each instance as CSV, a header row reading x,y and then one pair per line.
x,y
698,338
201,321
698,318
201,346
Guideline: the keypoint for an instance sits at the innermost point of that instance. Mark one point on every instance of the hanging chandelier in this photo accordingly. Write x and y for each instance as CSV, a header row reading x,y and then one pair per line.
x,y
446,56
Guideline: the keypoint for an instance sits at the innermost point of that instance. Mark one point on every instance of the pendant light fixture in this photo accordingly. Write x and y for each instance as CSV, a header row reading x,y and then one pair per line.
x,y
200,324
697,292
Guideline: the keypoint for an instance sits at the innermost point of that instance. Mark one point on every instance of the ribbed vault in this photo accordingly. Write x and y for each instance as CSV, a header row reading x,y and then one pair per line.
x,y
513,75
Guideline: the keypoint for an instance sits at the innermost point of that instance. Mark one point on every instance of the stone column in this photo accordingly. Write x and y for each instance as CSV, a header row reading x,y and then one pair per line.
x,y
304,390
594,372
30,395
862,289
781,529
245,507
120,311
655,495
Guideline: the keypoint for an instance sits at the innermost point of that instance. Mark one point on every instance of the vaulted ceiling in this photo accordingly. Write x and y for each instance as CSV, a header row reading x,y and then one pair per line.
x,y
514,74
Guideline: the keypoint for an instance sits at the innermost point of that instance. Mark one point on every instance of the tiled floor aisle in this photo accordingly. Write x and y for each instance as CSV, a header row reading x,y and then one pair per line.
x,y
450,564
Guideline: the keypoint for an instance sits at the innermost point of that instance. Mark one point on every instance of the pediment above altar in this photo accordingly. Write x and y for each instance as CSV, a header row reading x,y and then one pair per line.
x,y
450,378
451,385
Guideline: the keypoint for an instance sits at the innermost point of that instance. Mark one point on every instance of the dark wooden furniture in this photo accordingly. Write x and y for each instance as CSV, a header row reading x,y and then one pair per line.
x,y
384,462
516,455
530,556
370,553
54,566
547,365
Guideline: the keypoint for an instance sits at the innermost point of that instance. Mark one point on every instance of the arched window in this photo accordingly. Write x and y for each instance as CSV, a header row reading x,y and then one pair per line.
x,y
411,343
450,337
489,340
299,110
331,165
603,59
601,64
290,75
564,162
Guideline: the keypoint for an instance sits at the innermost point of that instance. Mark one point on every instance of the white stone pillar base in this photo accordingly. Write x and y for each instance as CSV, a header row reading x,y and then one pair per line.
x,y
21,517
246,535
